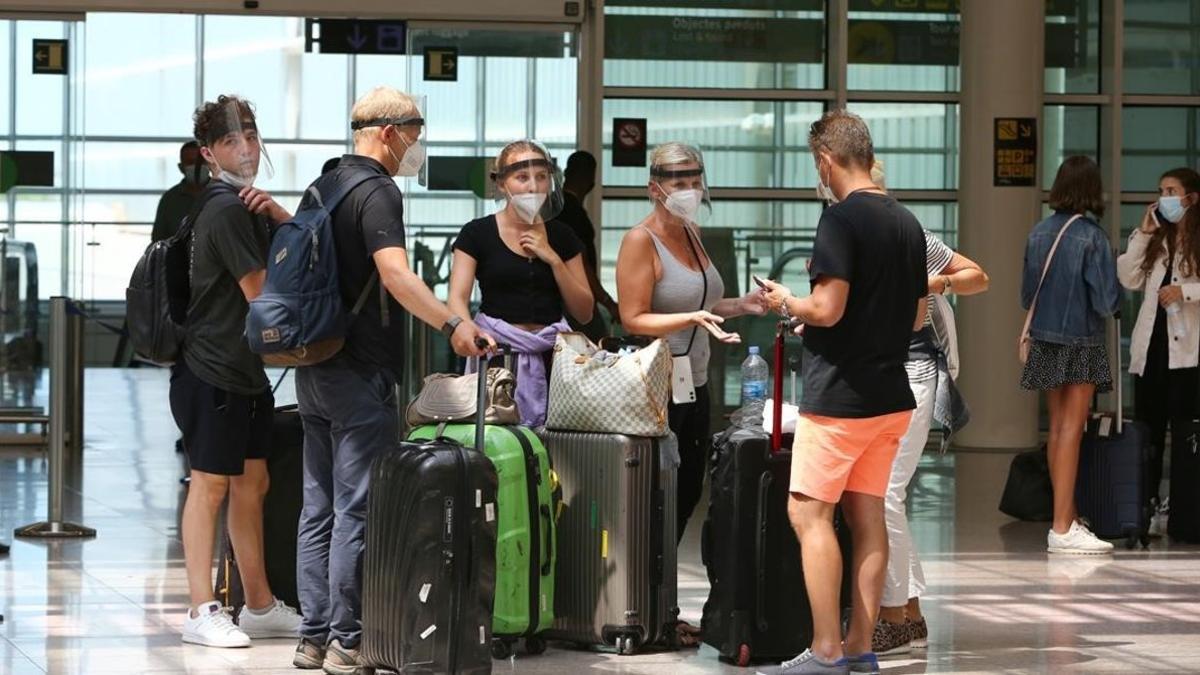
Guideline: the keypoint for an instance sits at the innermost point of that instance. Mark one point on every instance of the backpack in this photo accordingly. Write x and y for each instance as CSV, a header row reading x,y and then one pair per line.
x,y
159,291
299,319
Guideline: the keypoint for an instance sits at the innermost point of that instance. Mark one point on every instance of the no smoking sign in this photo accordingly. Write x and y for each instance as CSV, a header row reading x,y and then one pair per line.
x,y
629,141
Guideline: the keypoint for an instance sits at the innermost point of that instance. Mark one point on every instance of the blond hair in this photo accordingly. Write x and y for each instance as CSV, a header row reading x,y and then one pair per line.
x,y
381,103
670,154
878,177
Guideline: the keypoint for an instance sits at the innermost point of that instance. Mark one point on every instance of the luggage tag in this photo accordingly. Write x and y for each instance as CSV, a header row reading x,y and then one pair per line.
x,y
683,390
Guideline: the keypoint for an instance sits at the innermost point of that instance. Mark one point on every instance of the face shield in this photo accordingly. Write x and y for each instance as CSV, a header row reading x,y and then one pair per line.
x,y
235,147
407,147
529,183
683,190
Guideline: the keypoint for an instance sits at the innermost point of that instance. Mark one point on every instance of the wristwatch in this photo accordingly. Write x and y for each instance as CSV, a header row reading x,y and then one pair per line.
x,y
450,325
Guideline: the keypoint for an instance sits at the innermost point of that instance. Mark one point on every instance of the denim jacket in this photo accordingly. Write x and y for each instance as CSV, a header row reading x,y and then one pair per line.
x,y
1081,289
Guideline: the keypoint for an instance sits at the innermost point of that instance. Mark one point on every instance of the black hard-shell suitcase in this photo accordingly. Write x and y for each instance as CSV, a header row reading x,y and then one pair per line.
x,y
616,582
1183,522
429,568
757,607
281,514
1110,490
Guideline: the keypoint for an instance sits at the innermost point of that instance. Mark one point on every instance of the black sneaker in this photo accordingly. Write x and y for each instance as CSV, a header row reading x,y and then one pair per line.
x,y
309,655
341,661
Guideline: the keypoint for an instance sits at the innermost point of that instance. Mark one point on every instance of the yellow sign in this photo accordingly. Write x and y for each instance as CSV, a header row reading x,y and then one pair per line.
x,y
49,57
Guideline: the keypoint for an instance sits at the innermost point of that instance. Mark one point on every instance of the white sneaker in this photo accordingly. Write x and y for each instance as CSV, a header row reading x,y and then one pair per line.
x,y
1158,521
280,622
213,627
1077,540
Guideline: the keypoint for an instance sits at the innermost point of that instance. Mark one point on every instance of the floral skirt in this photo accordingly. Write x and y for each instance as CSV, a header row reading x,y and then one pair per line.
x,y
1051,366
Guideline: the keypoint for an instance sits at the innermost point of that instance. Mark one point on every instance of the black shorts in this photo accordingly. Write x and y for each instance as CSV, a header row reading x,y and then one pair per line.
x,y
221,429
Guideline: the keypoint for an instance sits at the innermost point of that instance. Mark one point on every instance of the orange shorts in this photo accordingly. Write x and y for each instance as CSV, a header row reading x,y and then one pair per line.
x,y
833,455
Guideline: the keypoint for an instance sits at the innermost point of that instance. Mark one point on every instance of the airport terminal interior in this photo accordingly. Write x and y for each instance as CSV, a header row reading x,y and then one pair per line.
x,y
972,106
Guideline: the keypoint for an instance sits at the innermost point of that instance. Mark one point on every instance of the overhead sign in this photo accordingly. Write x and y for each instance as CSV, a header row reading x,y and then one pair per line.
x,y
441,64
685,38
23,167
629,141
355,36
49,57
1015,152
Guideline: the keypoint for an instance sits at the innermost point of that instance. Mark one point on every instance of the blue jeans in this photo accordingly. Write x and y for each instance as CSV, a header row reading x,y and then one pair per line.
x,y
349,417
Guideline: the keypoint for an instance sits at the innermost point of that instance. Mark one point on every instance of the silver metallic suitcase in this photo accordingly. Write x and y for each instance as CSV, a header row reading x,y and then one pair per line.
x,y
616,576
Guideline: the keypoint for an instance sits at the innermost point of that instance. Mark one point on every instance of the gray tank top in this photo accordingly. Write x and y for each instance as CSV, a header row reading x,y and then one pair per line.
x,y
679,291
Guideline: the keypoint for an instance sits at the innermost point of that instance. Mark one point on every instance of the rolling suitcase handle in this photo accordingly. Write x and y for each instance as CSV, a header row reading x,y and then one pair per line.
x,y
777,391
1118,376
481,394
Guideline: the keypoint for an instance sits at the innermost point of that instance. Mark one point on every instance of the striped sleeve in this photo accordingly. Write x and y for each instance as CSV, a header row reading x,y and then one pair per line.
x,y
937,254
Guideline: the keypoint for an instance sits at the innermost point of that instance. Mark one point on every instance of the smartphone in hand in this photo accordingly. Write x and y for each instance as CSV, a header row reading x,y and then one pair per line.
x,y
758,280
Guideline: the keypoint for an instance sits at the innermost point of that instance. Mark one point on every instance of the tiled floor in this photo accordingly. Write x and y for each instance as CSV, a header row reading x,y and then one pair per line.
x,y
996,603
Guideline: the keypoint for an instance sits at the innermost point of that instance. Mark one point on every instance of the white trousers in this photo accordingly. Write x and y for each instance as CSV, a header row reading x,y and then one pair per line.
x,y
904,576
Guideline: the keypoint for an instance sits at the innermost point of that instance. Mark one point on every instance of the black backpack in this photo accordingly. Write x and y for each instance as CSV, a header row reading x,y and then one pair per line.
x,y
159,291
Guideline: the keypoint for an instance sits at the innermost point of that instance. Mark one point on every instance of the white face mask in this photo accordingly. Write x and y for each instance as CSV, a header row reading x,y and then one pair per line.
x,y
237,180
528,205
414,158
684,203
824,192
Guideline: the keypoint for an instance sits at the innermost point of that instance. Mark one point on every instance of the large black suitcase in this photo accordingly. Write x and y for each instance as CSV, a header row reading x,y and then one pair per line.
x,y
429,569
1183,522
281,516
1110,489
757,607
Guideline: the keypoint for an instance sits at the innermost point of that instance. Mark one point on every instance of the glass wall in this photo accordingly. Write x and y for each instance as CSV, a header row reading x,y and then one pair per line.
x,y
116,126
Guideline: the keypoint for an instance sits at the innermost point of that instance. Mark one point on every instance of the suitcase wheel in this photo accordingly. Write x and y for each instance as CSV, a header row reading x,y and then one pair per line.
x,y
501,649
743,656
626,645
535,645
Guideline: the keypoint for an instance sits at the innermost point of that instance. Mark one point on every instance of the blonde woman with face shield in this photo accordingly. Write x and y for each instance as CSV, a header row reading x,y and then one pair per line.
x,y
668,287
529,269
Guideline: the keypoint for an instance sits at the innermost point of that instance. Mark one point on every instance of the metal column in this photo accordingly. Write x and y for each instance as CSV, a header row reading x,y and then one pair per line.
x,y
63,363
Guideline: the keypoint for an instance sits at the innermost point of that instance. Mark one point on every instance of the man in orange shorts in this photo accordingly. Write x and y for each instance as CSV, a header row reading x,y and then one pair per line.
x,y
868,281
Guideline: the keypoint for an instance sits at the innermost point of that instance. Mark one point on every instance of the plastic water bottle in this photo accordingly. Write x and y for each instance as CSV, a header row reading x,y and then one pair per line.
x,y
755,376
1173,309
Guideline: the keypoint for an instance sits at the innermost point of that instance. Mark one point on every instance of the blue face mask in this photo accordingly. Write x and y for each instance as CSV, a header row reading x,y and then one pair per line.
x,y
1172,208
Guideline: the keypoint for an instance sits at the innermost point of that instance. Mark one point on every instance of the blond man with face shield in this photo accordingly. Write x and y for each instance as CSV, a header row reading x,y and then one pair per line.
x,y
347,403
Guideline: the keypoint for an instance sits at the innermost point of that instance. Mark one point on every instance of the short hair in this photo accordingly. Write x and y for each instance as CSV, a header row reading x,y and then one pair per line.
x,y
1187,177
1078,187
845,136
580,163
190,145
211,121
382,102
878,175
670,154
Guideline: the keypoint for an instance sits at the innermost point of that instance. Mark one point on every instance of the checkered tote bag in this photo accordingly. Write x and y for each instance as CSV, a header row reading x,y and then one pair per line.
x,y
618,395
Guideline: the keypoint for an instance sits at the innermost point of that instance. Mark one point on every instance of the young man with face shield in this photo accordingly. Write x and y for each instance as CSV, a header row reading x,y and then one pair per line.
x,y
668,287
220,396
869,282
1162,261
177,202
347,403
529,269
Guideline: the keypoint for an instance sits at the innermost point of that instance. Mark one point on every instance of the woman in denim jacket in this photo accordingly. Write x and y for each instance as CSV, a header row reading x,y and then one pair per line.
x,y
1068,359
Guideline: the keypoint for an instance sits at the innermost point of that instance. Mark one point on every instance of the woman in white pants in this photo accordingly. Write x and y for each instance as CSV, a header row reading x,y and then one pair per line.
x,y
901,625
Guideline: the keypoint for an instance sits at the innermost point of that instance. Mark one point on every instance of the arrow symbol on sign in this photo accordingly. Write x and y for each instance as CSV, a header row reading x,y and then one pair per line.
x,y
41,56
357,40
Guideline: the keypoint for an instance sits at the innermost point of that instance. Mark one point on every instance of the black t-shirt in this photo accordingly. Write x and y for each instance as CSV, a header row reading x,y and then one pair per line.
x,y
369,219
227,244
856,367
576,217
515,287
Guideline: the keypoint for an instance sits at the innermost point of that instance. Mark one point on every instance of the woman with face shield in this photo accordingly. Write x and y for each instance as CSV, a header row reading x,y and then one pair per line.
x,y
1163,262
529,270
668,287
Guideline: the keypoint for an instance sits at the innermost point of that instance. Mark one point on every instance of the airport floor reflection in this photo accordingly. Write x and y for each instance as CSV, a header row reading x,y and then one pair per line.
x,y
996,603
